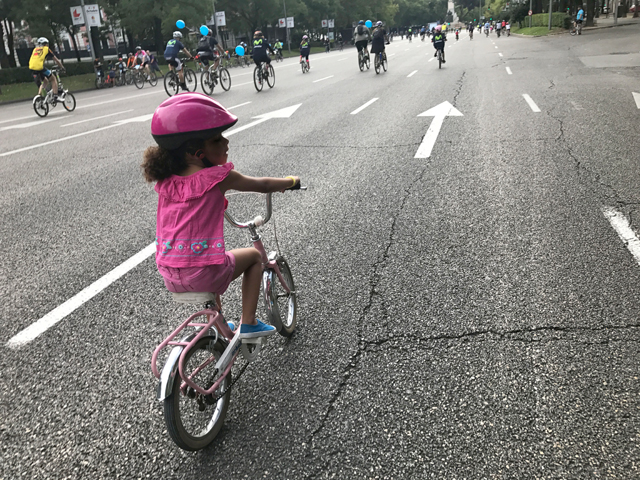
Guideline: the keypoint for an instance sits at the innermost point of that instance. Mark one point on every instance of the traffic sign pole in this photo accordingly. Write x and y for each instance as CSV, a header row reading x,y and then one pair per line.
x,y
88,29
286,22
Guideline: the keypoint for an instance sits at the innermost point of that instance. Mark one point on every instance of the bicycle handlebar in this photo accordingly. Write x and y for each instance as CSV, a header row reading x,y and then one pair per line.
x,y
259,220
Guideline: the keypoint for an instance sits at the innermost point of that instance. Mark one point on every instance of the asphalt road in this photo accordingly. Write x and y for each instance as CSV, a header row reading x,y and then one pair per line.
x,y
471,314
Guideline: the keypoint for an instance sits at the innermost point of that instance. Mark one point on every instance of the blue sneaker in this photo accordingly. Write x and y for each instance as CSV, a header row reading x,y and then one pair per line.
x,y
254,331
232,326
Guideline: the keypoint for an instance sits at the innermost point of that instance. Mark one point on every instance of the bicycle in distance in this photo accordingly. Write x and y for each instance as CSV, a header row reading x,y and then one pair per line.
x,y
363,59
172,80
264,72
304,64
42,105
140,77
214,76
196,378
380,61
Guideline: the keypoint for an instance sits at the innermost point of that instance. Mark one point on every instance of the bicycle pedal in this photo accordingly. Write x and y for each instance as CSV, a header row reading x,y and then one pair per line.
x,y
255,341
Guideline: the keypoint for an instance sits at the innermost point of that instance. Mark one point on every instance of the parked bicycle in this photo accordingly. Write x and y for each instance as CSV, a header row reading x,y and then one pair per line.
x,y
212,76
140,77
264,73
41,104
380,61
363,60
172,80
195,380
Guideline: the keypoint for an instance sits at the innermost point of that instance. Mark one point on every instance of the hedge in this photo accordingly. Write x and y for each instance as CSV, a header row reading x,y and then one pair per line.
x,y
22,74
561,20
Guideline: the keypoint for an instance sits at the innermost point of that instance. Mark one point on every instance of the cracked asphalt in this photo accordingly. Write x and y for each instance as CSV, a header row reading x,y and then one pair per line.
x,y
469,315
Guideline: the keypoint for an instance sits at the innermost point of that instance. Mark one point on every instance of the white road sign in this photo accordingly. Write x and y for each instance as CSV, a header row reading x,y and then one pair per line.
x,y
289,22
221,20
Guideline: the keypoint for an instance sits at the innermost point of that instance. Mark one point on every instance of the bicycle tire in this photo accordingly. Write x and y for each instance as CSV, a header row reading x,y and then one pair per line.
x,y
384,62
439,60
367,62
138,80
69,102
271,79
153,79
361,63
171,85
225,79
128,77
211,419
190,79
99,84
303,67
207,82
280,303
376,64
257,79
40,106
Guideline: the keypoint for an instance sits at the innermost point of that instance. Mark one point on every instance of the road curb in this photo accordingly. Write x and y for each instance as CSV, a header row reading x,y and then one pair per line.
x,y
586,29
29,99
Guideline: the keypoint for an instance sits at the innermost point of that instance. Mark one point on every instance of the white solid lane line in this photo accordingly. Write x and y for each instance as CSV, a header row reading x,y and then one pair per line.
x,y
636,97
321,79
531,103
58,313
155,92
96,118
240,105
621,225
33,123
509,71
359,109
432,59
412,73
343,59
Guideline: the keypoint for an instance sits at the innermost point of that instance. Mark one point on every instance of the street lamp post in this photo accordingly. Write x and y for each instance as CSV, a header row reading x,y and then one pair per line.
x,y
88,29
286,24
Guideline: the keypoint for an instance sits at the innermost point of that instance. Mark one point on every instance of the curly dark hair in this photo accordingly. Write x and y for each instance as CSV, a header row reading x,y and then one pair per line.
x,y
159,163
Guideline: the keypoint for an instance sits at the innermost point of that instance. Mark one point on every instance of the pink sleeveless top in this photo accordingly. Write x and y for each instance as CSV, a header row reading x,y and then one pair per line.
x,y
190,220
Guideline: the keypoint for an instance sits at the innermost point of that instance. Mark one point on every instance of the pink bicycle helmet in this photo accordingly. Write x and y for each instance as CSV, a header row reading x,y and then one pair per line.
x,y
189,116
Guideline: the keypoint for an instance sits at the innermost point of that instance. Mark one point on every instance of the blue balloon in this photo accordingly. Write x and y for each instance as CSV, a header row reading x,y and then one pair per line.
x,y
180,24
240,50
204,30
368,23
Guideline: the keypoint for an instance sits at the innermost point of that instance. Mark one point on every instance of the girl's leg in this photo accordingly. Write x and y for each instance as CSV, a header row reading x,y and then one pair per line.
x,y
249,262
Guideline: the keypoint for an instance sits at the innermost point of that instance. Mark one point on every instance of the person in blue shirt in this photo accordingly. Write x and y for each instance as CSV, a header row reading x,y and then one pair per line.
x,y
174,47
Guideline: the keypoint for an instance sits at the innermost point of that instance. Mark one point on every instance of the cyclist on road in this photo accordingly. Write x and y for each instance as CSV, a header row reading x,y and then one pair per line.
x,y
143,59
192,173
379,36
37,69
260,48
131,60
498,28
361,36
579,20
438,42
305,50
277,47
175,46
423,32
209,49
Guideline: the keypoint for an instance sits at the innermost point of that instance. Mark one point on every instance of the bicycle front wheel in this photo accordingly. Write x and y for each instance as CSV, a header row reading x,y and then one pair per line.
x,y
138,80
193,420
206,80
279,303
225,79
190,80
257,78
271,79
69,102
40,106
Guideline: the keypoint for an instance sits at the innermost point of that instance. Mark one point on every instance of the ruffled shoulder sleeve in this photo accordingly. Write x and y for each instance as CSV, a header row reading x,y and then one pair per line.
x,y
181,189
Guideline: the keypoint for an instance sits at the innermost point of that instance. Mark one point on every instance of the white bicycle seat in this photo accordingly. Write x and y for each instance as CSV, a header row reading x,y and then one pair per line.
x,y
197,298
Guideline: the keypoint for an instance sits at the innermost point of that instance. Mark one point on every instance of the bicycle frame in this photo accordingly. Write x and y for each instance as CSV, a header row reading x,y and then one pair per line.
x,y
215,323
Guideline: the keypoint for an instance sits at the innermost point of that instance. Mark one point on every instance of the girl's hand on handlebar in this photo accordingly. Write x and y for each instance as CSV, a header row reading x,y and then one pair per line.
x,y
295,181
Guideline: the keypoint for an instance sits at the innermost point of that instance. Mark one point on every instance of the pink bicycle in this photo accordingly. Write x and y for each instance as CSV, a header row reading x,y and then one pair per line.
x,y
195,381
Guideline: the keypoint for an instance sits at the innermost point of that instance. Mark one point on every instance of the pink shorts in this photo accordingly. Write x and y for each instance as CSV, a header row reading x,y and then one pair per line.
x,y
212,278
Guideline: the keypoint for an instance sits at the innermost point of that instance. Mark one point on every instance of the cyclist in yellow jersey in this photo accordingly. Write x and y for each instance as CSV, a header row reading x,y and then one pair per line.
x,y
37,69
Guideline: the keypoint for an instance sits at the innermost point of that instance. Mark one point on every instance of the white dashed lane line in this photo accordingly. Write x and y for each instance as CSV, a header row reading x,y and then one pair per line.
x,y
509,71
621,225
531,103
359,109
412,73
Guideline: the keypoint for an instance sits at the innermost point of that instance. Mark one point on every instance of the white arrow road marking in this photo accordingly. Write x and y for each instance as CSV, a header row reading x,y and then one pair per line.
x,y
531,103
412,74
283,113
621,225
439,112
509,71
57,314
96,118
359,109
636,97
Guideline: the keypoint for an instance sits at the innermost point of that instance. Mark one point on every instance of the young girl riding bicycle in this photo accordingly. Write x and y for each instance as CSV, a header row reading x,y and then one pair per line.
x,y
192,173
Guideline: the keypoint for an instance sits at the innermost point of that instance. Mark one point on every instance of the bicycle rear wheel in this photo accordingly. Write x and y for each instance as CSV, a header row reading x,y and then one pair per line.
x,y
206,80
384,62
257,78
153,80
69,102
193,421
225,79
439,59
271,79
361,63
190,79
171,85
367,62
40,106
